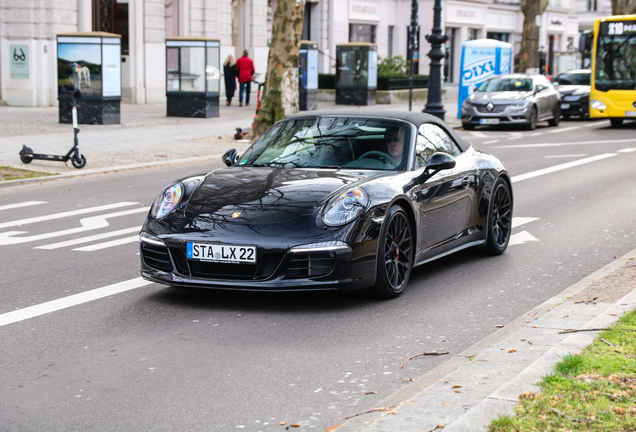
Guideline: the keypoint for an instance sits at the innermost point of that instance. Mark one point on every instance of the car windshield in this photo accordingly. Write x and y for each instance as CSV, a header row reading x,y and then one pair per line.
x,y
506,84
573,79
332,142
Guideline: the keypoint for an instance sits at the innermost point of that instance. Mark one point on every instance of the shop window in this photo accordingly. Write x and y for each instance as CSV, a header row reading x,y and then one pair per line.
x,y
362,33
390,42
503,37
473,34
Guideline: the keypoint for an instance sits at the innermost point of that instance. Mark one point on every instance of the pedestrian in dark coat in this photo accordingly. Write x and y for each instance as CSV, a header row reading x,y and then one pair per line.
x,y
230,72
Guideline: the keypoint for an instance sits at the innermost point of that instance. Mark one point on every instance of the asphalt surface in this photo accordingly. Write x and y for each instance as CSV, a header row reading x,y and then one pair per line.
x,y
156,358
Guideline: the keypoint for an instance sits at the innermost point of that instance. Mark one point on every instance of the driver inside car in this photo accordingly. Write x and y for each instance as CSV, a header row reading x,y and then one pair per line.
x,y
394,138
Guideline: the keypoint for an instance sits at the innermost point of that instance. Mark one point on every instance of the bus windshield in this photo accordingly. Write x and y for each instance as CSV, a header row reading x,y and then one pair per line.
x,y
616,59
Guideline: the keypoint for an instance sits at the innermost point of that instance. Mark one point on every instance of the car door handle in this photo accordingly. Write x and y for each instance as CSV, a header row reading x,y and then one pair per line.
x,y
466,181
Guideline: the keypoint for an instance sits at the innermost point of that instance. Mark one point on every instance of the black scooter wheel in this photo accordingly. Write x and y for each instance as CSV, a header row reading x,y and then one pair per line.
x,y
25,159
81,163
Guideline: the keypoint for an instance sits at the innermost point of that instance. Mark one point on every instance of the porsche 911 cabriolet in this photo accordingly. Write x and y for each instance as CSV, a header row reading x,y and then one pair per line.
x,y
348,200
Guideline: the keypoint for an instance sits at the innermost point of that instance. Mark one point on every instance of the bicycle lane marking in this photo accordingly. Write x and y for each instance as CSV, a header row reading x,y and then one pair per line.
x,y
72,300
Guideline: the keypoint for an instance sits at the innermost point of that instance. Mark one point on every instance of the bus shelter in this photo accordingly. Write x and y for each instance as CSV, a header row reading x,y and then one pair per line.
x,y
356,73
193,77
308,76
89,62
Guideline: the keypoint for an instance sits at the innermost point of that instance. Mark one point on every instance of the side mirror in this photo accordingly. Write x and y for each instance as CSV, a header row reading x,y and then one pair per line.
x,y
555,83
230,158
540,88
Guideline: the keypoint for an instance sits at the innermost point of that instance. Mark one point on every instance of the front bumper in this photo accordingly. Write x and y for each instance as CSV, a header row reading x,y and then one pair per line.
x,y
501,114
279,267
575,105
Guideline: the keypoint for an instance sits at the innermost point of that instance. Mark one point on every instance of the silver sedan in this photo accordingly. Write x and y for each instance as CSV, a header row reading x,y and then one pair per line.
x,y
513,99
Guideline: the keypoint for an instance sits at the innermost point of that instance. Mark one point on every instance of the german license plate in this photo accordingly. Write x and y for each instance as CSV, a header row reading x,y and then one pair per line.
x,y
494,121
565,106
232,254
630,113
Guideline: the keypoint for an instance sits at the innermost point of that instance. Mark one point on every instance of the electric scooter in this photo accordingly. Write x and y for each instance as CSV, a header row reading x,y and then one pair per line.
x,y
77,159
240,132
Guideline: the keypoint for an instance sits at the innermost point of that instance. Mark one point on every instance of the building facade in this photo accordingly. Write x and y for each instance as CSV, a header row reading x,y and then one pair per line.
x,y
32,25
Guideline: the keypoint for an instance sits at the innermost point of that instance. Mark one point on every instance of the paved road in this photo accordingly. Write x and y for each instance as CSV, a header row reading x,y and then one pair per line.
x,y
146,357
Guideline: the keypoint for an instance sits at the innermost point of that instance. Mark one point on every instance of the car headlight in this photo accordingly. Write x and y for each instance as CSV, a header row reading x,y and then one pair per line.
x,y
166,201
345,207
597,104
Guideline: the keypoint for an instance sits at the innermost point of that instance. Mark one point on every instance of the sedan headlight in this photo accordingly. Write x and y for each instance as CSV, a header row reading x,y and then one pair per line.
x,y
166,201
597,104
345,207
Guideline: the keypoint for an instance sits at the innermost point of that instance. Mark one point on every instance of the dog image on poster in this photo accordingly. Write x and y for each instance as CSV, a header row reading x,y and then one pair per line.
x,y
79,67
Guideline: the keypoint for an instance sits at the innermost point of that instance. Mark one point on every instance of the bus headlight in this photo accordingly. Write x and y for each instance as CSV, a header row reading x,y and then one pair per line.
x,y
597,104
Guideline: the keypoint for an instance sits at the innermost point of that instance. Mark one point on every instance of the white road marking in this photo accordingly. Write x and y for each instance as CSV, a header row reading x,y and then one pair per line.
x,y
490,142
627,150
111,243
557,130
65,214
521,238
478,134
564,156
518,221
22,204
88,224
89,238
568,143
556,168
72,300
597,123
536,134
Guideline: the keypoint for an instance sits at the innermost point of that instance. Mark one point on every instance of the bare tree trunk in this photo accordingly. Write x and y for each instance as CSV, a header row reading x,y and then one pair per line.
x,y
280,95
529,51
623,7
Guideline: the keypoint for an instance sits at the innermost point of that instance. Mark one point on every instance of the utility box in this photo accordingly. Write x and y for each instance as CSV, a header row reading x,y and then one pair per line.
x,y
193,77
91,63
356,73
481,59
308,76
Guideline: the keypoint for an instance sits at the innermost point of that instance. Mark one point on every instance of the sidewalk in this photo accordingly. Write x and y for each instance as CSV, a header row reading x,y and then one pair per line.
x,y
476,386
145,134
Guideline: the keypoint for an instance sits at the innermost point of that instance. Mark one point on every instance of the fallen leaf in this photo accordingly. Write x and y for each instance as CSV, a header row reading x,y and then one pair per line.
x,y
502,348
332,428
527,321
613,314
512,351
534,326
282,423
294,425
371,392
458,391
527,395
499,326
456,386
619,410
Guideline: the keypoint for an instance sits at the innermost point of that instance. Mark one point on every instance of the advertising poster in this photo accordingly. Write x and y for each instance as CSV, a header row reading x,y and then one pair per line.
x,y
112,70
373,69
312,69
19,61
302,68
79,67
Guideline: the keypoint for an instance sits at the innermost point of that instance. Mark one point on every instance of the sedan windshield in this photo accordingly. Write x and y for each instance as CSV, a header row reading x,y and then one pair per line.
x,y
332,142
573,79
506,84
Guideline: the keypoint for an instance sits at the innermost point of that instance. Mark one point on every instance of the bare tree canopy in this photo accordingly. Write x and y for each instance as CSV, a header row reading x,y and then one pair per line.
x,y
623,7
280,95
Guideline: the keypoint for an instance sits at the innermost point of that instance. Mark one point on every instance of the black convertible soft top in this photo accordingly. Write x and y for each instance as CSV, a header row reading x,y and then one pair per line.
x,y
415,117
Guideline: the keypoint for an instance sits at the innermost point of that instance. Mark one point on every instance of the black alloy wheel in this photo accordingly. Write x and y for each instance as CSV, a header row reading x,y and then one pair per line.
x,y
395,254
499,218
532,122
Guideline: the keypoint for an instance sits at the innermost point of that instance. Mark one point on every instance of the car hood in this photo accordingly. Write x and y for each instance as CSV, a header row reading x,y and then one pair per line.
x,y
568,89
498,98
264,195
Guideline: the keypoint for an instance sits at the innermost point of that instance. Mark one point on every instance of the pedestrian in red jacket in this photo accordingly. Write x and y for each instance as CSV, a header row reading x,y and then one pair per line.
x,y
246,73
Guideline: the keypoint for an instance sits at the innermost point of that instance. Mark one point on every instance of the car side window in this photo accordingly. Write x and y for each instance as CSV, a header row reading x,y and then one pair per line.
x,y
431,139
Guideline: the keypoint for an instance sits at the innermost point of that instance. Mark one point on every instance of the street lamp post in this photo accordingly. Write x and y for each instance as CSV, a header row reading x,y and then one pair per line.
x,y
413,47
434,104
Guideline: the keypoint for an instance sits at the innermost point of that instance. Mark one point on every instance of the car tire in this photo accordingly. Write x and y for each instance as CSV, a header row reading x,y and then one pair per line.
x,y
532,121
395,256
499,218
554,121
616,122
467,126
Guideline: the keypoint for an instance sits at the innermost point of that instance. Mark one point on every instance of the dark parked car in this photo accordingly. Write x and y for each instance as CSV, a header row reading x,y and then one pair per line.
x,y
574,87
513,99
330,200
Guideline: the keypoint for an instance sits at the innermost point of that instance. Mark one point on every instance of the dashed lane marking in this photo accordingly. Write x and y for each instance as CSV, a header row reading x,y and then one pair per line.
x,y
564,129
629,140
109,244
627,150
90,238
521,238
564,156
72,300
491,142
561,167
22,204
478,134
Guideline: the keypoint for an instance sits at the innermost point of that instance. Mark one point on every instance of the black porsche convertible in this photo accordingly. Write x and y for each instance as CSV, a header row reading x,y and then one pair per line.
x,y
330,200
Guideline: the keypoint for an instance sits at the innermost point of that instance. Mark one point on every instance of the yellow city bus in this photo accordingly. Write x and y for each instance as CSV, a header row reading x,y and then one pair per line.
x,y
613,92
